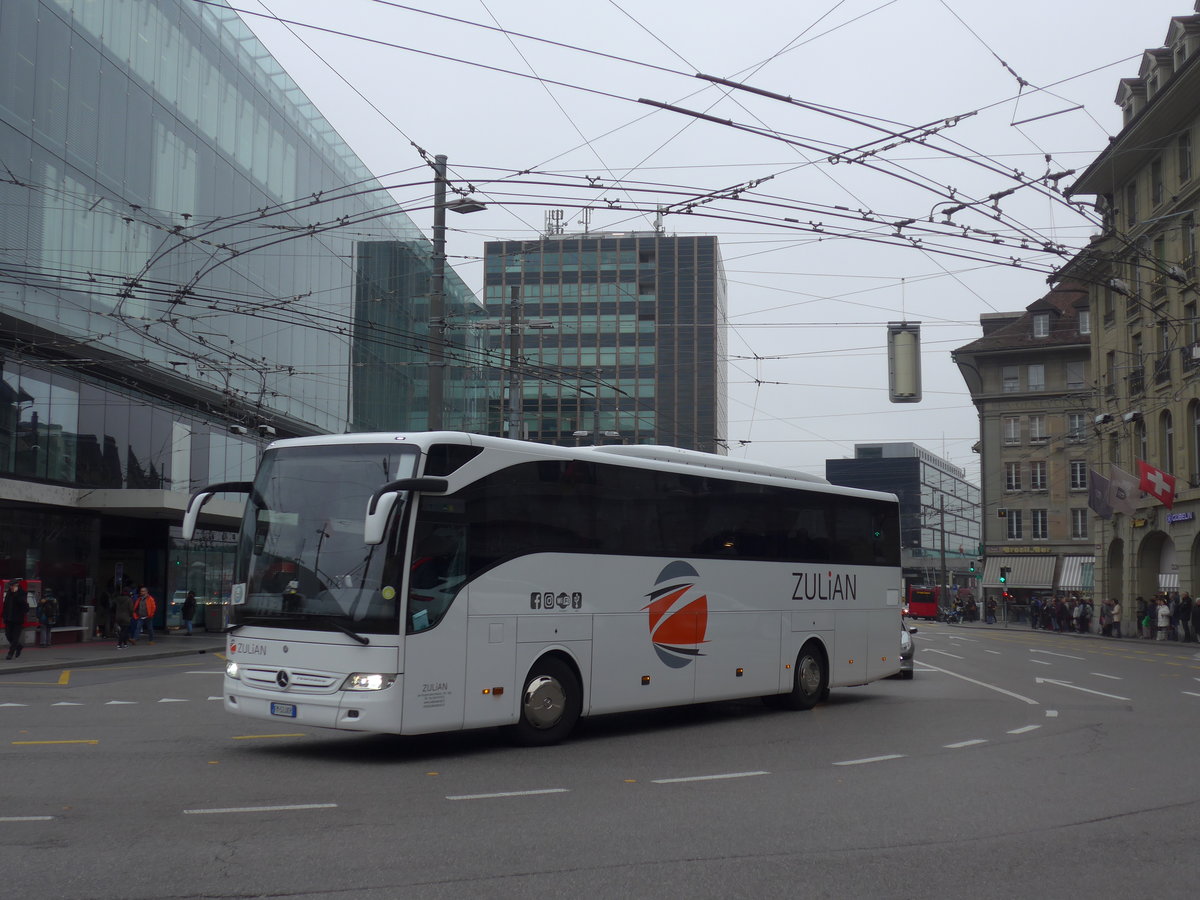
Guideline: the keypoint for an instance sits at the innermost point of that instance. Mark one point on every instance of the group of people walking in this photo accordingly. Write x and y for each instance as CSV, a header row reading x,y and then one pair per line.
x,y
1165,617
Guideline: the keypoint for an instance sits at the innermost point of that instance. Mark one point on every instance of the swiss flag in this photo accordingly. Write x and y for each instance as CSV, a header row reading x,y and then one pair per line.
x,y
1157,483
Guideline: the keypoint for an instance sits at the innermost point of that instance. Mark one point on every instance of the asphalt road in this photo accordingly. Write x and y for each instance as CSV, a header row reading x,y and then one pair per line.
x,y
1015,764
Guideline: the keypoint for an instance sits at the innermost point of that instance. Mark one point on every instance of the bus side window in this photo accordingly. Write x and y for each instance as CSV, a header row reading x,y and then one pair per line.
x,y
435,574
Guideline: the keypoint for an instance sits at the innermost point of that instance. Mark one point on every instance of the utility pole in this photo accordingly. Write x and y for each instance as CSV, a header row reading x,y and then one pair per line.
x,y
437,298
942,529
516,403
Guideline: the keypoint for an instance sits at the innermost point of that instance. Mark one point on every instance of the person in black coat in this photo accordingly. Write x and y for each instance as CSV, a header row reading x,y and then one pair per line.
x,y
188,612
15,609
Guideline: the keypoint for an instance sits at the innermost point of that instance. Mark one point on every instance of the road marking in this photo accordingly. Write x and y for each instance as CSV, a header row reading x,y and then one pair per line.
x,y
246,809
707,777
869,759
956,637
205,672
26,818
996,652
65,677
1052,714
1024,729
171,700
66,703
960,744
1042,662
1076,687
990,687
13,704
1113,677
255,737
1192,694
943,652
29,743
1052,653
121,703
216,698
508,794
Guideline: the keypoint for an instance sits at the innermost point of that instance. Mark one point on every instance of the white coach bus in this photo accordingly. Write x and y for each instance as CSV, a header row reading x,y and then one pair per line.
x,y
434,581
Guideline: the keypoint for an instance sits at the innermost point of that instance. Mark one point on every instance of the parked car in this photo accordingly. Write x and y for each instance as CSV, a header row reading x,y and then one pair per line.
x,y
908,648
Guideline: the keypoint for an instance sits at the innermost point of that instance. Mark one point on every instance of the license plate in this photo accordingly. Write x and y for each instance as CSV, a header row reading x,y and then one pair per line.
x,y
284,709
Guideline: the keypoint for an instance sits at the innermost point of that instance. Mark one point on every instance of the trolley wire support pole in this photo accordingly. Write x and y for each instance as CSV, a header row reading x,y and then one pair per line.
x,y
437,298
515,349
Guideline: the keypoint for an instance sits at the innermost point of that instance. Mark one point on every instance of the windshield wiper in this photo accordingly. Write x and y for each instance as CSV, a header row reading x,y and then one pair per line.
x,y
349,632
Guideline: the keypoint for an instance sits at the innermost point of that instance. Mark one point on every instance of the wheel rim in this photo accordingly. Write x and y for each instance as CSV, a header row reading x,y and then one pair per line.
x,y
545,702
809,676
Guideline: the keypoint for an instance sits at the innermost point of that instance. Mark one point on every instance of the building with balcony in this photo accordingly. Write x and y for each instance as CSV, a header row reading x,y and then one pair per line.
x,y
632,343
1030,380
1141,272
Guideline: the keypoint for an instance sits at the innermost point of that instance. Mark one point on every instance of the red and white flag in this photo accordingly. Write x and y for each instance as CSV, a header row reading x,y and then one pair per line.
x,y
1157,483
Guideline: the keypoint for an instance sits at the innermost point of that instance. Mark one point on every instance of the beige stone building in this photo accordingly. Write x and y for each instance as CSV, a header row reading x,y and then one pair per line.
x,y
1145,338
1030,379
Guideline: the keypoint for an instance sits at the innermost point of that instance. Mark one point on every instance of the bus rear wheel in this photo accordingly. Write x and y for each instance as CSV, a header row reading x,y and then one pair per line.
x,y
810,681
551,702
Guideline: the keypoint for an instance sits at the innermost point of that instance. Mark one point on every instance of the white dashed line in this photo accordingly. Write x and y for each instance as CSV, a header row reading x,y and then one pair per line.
x,y
1192,694
121,703
1024,729
1113,677
245,809
508,794
996,652
26,818
1052,714
707,777
869,759
171,700
1052,653
943,652
1042,662
66,703
960,744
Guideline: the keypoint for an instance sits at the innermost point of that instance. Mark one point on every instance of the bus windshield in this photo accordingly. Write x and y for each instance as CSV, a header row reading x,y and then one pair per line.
x,y
301,555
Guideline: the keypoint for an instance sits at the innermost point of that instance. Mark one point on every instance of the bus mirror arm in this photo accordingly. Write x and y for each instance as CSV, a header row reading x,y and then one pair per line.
x,y
199,498
379,508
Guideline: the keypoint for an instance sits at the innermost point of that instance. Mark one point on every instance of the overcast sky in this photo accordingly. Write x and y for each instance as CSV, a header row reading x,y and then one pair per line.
x,y
536,126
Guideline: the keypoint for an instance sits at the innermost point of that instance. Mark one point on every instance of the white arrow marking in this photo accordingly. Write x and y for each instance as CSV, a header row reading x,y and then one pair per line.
x,y
1052,653
1076,687
943,652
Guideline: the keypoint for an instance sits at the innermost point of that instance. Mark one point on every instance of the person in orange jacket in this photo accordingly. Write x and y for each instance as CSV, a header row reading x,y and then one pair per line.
x,y
144,606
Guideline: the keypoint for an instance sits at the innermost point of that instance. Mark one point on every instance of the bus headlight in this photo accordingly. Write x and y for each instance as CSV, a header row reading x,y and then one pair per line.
x,y
361,681
231,669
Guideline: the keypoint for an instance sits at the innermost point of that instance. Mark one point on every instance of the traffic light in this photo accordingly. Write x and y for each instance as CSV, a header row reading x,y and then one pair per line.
x,y
972,566
1004,574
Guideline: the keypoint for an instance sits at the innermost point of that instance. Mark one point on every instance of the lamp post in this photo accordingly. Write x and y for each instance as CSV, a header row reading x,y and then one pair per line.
x,y
437,288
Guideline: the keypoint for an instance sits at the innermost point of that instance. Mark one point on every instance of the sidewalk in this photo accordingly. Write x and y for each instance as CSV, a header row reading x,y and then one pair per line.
x,y
1094,635
104,652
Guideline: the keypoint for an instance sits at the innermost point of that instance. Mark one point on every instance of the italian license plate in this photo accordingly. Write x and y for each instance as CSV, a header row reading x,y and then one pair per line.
x,y
284,709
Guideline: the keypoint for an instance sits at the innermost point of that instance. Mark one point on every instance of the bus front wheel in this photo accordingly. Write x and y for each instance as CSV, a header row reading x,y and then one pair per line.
x,y
550,704
810,680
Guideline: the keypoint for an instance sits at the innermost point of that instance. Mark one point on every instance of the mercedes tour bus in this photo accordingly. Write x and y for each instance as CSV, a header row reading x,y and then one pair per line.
x,y
410,583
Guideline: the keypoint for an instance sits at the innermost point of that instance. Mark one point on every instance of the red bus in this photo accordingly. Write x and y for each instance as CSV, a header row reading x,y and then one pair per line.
x,y
922,602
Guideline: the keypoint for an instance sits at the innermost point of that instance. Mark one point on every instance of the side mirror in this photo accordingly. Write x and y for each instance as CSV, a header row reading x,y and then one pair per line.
x,y
383,501
199,498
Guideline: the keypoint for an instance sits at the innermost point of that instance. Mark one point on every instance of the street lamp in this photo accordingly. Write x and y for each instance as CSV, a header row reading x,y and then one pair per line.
x,y
437,292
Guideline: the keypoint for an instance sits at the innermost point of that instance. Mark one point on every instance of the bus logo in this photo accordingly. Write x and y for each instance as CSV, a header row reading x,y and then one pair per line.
x,y
678,615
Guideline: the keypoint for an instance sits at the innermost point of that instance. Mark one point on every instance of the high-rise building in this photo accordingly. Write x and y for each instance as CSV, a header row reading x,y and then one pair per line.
x,y
621,336
177,284
939,509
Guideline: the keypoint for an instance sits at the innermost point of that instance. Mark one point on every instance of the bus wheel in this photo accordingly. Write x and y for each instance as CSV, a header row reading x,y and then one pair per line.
x,y
550,704
810,682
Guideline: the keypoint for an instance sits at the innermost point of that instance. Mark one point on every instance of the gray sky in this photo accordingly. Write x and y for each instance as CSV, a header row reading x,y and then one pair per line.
x,y
808,299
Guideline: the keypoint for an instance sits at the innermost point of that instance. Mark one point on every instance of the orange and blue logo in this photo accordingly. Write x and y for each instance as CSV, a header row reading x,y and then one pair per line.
x,y
678,615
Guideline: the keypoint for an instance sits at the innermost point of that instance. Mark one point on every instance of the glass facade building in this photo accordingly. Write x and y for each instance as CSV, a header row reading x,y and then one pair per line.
x,y
619,333
179,252
939,508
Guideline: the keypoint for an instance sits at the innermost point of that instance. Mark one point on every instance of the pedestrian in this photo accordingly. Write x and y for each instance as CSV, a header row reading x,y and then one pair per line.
x,y
1085,615
1115,617
1185,617
144,606
189,611
47,617
122,617
1196,621
1035,612
1164,618
991,610
1140,612
15,608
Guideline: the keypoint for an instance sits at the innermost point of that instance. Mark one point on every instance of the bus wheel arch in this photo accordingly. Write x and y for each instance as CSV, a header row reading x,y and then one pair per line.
x,y
551,701
810,679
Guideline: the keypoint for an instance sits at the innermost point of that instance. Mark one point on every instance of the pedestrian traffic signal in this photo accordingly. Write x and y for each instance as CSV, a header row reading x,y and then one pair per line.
x,y
1004,574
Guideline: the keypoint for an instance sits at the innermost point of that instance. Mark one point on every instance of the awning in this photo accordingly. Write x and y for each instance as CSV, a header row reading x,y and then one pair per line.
x,y
1168,581
1077,573
1023,571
